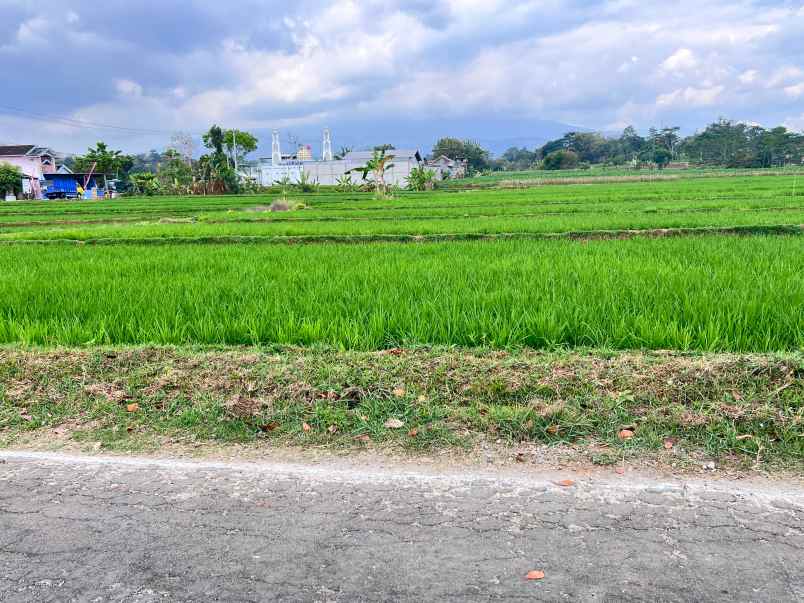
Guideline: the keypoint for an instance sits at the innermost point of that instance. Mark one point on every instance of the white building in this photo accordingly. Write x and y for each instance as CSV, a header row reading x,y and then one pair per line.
x,y
268,171
328,172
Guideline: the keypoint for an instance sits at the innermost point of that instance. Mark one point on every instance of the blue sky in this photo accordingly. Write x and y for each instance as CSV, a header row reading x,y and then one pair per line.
x,y
406,72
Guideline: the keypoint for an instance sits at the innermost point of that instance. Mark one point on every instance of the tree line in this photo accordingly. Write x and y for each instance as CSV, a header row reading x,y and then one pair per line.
x,y
724,143
174,171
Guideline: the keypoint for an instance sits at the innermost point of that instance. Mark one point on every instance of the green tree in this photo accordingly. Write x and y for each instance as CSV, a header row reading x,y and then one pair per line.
x,y
562,159
661,157
10,179
243,142
106,162
213,168
175,175
519,159
476,157
144,183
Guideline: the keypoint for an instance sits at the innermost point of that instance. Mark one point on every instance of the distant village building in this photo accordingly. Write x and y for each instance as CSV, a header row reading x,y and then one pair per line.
x,y
305,153
446,168
268,171
329,172
34,162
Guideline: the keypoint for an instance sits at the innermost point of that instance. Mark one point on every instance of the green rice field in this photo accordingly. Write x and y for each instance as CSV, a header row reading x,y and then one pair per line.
x,y
549,266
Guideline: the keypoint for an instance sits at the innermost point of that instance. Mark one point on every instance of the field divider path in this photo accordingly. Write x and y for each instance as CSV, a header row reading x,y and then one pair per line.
x,y
778,229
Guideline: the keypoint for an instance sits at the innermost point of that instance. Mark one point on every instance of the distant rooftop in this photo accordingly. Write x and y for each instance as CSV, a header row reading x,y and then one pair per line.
x,y
16,150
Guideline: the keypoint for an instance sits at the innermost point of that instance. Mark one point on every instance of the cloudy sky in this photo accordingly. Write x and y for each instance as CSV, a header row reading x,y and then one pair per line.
x,y
400,71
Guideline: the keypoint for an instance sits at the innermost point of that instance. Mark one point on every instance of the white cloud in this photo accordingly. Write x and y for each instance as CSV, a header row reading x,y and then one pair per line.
x,y
682,59
795,91
690,97
128,88
784,75
603,64
33,30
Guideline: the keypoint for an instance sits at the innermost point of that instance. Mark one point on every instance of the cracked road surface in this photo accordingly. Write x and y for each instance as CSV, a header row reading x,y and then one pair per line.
x,y
115,529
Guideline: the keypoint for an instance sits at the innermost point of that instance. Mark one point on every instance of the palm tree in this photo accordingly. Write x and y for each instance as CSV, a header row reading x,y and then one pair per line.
x,y
343,152
377,166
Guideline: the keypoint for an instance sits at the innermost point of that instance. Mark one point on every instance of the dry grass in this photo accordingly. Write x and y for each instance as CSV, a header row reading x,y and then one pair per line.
x,y
743,407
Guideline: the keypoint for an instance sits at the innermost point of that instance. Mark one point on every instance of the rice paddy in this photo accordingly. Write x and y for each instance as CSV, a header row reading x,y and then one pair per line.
x,y
556,272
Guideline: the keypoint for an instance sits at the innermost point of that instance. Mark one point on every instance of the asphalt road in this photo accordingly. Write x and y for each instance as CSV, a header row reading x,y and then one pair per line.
x,y
90,529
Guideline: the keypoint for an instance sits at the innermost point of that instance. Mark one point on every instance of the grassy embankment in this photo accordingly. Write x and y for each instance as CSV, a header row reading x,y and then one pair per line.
x,y
743,410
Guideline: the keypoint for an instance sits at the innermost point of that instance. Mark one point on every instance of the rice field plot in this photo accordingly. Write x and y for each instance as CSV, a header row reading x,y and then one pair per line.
x,y
695,293
557,277
714,203
612,174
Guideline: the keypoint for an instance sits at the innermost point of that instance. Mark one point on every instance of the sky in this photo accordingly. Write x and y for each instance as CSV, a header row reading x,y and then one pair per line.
x,y
405,72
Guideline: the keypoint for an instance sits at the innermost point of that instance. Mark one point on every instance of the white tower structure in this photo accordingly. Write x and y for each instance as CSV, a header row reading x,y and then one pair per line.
x,y
276,150
327,148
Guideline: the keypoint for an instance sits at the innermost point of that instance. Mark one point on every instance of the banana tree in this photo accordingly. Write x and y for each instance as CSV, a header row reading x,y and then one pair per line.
x,y
377,166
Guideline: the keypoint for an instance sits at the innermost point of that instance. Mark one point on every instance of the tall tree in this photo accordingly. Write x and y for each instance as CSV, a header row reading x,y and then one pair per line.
x,y
239,144
214,167
175,176
10,179
107,162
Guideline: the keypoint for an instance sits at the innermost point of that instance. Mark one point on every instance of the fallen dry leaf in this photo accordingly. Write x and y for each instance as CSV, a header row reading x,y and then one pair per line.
x,y
413,432
306,427
272,426
399,392
363,438
133,407
535,575
746,436
566,483
625,434
395,352
553,429
394,424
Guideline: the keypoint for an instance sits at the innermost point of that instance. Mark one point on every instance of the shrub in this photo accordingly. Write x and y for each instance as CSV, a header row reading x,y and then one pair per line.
x,y
560,160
